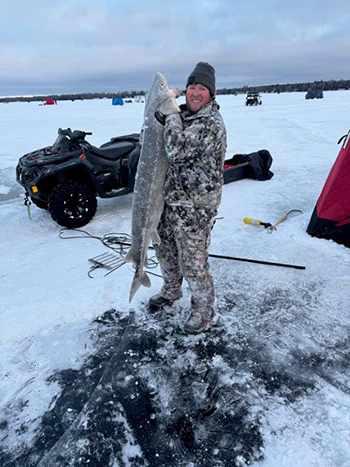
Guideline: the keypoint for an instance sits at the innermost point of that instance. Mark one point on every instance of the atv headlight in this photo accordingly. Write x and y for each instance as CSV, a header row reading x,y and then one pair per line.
x,y
28,176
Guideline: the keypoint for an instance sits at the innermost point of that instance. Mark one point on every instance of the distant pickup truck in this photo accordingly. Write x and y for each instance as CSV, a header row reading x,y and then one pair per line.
x,y
253,98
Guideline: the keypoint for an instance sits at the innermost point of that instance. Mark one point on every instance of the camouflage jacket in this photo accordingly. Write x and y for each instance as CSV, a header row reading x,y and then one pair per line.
x,y
196,148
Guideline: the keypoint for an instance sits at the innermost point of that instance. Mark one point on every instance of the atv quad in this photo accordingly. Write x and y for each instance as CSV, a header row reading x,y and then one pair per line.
x,y
253,98
67,177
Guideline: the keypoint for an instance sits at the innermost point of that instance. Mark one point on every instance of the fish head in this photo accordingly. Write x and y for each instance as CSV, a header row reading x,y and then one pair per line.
x,y
161,84
165,97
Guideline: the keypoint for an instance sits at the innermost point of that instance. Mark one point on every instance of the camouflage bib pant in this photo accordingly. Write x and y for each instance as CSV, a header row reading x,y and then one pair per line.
x,y
195,145
185,238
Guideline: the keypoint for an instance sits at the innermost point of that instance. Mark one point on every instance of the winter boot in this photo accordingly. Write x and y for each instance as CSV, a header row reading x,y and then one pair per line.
x,y
158,302
197,324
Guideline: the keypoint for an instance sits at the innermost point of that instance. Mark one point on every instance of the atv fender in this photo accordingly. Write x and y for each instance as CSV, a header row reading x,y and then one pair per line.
x,y
79,170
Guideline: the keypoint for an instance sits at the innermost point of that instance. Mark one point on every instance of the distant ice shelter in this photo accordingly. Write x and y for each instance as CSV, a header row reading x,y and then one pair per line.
x,y
314,94
117,101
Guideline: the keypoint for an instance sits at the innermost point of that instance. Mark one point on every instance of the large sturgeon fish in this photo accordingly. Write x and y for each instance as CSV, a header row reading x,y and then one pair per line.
x,y
148,203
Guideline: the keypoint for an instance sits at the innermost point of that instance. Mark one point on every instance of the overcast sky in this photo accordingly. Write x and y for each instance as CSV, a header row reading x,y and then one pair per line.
x,y
62,46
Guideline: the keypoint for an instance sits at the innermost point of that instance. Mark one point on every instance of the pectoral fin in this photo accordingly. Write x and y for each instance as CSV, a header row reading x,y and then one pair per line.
x,y
155,238
129,258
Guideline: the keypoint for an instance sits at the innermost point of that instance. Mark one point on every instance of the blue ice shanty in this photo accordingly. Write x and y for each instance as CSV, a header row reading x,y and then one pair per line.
x,y
117,101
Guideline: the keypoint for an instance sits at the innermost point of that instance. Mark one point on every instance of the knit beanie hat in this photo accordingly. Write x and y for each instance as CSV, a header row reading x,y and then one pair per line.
x,y
203,73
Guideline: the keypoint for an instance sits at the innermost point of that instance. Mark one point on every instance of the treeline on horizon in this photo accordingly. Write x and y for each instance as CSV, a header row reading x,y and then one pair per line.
x,y
330,85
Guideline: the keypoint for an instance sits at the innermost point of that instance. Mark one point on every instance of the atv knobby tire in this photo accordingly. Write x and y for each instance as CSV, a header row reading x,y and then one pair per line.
x,y
72,204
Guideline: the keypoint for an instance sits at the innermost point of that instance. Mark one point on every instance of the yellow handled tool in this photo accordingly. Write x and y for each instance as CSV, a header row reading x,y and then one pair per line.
x,y
257,223
267,225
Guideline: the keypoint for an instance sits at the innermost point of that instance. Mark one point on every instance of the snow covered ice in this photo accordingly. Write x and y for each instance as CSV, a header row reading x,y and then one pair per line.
x,y
269,387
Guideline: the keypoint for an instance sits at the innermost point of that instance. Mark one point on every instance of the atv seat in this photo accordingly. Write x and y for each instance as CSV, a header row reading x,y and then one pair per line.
x,y
114,151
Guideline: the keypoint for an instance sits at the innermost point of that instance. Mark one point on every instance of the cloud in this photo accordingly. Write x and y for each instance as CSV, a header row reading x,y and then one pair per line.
x,y
98,43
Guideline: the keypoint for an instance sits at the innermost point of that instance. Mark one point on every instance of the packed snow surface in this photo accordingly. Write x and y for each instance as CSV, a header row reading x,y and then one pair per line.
x,y
286,330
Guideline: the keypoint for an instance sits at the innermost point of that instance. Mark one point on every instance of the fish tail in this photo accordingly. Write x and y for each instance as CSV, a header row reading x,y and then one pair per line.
x,y
140,278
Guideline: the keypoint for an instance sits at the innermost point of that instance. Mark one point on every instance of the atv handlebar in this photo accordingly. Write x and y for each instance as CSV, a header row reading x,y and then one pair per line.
x,y
75,135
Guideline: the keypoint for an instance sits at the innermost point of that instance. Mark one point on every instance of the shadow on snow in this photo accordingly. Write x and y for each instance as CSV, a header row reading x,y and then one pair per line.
x,y
152,396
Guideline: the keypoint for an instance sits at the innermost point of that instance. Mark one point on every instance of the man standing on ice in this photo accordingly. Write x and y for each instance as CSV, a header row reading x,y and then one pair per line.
x,y
195,143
